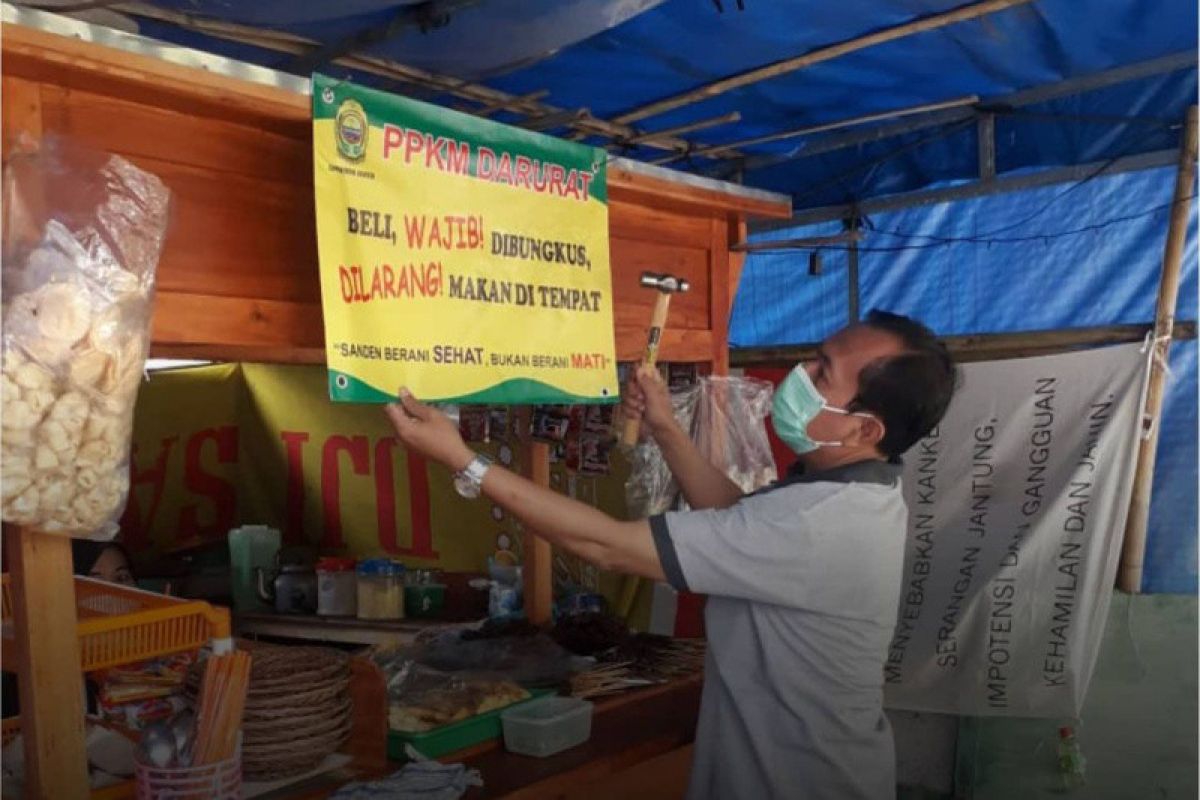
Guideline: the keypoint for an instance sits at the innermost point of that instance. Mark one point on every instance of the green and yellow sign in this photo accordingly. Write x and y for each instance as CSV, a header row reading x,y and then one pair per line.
x,y
461,258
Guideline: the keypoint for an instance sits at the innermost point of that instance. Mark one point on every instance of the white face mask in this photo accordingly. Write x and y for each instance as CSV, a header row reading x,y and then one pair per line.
x,y
796,404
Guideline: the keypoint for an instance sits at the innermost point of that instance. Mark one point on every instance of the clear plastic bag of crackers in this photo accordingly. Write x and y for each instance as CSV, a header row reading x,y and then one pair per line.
x,y
83,231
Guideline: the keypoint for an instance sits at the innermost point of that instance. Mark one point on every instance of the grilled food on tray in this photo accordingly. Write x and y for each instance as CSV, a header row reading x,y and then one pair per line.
x,y
442,706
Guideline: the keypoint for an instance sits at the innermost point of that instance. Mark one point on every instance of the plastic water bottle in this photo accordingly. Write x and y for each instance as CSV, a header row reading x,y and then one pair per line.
x,y
1071,762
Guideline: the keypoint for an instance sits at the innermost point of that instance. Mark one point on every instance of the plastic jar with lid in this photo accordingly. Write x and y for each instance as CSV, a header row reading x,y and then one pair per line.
x,y
380,589
337,590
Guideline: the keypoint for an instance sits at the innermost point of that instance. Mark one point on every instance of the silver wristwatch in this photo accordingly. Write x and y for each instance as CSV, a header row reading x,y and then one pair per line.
x,y
469,480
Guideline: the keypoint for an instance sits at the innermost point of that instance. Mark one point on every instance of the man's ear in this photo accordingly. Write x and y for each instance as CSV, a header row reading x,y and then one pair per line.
x,y
870,431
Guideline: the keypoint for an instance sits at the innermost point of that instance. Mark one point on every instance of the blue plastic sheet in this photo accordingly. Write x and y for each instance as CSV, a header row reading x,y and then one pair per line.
x,y
1073,255
613,55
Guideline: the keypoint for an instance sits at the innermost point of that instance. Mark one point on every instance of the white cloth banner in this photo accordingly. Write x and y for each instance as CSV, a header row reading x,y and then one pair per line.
x,y
1017,507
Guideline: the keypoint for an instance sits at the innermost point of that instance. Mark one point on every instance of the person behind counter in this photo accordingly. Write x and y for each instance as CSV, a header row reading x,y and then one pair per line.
x,y
803,577
104,561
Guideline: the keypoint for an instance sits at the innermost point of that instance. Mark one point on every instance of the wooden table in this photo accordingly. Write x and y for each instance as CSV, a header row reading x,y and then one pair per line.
x,y
640,747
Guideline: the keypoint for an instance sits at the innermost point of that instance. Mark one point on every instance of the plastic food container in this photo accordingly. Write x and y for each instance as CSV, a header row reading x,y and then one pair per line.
x,y
380,589
337,587
544,727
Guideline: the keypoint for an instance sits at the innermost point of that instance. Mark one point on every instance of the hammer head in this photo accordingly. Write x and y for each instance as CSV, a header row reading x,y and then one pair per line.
x,y
667,284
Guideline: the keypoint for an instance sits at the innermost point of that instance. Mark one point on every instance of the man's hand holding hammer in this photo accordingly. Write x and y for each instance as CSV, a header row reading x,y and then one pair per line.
x,y
648,401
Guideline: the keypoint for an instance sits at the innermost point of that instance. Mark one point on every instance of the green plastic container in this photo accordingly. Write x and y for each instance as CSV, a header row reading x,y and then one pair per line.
x,y
457,735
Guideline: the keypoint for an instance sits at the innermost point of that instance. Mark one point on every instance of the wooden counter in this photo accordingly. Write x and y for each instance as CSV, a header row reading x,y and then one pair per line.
x,y
640,747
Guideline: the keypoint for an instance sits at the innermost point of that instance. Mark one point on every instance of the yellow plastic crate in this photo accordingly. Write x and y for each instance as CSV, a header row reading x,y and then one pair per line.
x,y
120,625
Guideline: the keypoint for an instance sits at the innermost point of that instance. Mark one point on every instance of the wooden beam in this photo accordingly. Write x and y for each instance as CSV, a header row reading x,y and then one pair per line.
x,y
981,347
842,140
737,261
555,119
22,110
50,684
1133,550
821,54
255,354
720,299
71,63
506,104
1000,185
193,319
679,130
795,133
987,147
638,187
1173,62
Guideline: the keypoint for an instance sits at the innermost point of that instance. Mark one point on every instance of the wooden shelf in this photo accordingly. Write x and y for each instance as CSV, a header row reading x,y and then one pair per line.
x,y
312,628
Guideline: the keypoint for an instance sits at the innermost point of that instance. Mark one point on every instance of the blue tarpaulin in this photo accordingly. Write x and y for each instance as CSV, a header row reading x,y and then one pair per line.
x,y
1065,256
611,56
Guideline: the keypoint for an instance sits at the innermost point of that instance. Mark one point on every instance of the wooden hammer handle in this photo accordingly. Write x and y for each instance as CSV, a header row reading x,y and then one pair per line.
x,y
658,322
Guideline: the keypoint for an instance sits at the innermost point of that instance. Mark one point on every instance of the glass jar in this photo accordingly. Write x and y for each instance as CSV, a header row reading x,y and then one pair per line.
x,y
380,589
337,587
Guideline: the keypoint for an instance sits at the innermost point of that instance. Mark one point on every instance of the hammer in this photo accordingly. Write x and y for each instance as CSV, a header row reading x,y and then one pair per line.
x,y
667,285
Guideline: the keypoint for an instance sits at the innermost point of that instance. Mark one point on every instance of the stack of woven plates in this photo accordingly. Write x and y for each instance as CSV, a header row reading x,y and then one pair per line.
x,y
297,709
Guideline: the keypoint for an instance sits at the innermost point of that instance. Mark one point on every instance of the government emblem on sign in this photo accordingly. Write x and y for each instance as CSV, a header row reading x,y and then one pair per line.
x,y
350,129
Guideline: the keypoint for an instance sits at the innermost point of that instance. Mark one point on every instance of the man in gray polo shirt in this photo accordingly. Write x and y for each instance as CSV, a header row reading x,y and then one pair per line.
x,y
803,578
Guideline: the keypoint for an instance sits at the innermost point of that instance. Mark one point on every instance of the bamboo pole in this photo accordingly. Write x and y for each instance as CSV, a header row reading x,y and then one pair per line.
x,y
487,109
1133,550
982,347
836,125
827,53
679,130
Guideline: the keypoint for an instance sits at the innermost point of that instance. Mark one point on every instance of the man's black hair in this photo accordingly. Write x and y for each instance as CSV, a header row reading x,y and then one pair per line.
x,y
909,391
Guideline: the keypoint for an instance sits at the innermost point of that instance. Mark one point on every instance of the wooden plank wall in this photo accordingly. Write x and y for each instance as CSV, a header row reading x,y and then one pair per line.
x,y
238,278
